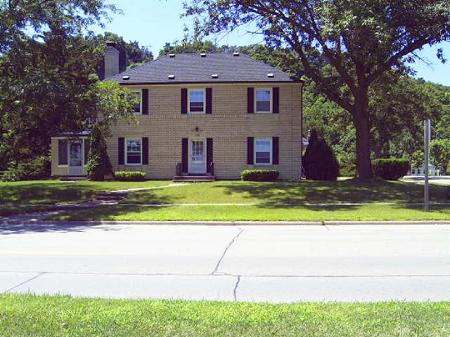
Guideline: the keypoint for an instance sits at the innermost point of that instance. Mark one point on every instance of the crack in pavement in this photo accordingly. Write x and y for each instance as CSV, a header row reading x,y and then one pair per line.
x,y
233,240
236,288
24,282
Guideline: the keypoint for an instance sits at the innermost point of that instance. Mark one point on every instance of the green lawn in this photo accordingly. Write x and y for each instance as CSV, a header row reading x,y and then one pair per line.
x,y
290,192
23,196
233,200
32,316
288,201
258,213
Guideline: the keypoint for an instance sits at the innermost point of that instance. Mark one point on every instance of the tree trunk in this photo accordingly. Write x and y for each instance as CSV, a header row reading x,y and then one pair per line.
x,y
361,122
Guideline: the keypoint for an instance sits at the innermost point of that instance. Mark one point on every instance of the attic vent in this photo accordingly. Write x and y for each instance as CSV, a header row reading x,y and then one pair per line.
x,y
271,75
215,76
125,77
202,54
236,53
171,77
171,55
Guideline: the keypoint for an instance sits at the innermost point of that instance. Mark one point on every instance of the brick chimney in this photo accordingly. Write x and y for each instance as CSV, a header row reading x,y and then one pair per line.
x,y
112,59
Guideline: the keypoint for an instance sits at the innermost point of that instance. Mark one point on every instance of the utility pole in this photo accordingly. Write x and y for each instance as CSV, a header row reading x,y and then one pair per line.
x,y
427,138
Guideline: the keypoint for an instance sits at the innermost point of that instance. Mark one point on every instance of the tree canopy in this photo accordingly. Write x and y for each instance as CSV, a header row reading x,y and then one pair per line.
x,y
48,82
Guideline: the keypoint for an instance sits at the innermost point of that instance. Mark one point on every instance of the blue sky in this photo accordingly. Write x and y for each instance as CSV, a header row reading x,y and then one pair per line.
x,y
155,22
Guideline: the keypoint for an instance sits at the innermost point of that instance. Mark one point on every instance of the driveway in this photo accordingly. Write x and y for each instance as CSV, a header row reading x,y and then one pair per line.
x,y
243,263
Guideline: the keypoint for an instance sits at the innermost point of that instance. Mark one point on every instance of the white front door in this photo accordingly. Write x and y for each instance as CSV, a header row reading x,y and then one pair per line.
x,y
197,156
76,158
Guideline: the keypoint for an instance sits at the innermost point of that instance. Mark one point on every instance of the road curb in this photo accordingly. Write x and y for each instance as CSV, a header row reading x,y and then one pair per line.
x,y
224,223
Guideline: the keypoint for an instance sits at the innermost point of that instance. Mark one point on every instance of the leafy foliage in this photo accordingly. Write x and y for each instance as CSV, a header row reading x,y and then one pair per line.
x,y
319,161
391,168
98,165
259,175
48,83
440,154
129,175
36,168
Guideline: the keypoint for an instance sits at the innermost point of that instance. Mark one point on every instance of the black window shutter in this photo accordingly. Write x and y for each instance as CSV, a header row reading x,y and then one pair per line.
x,y
276,100
208,100
145,106
144,150
184,101
86,150
184,155
250,151
209,154
121,150
250,100
275,150
62,152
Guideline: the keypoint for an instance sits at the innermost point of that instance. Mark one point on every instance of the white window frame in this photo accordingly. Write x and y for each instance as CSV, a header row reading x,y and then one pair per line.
x,y
271,101
271,151
126,151
140,93
189,101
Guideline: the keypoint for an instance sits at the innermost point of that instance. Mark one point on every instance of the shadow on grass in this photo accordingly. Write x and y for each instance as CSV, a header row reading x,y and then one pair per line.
x,y
45,192
302,193
16,226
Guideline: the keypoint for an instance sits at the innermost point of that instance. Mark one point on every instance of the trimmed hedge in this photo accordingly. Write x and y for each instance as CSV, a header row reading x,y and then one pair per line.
x,y
391,168
259,175
129,176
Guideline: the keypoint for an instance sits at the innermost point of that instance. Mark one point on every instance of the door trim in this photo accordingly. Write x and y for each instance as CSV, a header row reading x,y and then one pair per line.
x,y
204,171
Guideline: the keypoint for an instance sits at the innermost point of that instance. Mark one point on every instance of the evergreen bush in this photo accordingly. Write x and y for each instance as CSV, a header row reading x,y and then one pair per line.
x,y
319,161
98,165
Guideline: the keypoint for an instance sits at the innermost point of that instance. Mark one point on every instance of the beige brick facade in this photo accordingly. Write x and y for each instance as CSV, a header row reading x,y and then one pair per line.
x,y
229,125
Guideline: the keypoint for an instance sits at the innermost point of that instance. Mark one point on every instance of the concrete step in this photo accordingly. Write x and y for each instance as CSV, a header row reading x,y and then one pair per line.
x,y
72,178
194,179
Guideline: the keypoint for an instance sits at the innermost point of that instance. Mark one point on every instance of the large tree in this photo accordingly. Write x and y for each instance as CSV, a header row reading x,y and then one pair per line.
x,y
47,74
358,40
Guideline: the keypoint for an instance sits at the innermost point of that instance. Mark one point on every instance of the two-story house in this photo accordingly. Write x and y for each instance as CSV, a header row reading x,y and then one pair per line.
x,y
199,115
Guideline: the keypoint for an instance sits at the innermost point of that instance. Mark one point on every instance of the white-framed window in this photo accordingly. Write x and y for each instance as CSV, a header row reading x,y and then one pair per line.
x,y
263,100
197,101
137,107
133,151
263,151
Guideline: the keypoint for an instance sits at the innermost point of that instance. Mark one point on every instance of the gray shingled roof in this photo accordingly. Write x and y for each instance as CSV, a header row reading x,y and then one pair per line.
x,y
192,68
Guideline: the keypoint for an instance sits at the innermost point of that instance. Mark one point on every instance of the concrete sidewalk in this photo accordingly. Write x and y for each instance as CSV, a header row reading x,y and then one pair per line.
x,y
244,263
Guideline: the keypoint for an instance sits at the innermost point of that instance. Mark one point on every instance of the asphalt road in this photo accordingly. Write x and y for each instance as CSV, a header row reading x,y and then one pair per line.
x,y
243,263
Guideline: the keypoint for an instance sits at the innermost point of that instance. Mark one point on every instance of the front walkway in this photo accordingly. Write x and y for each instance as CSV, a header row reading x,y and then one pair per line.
x,y
231,263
